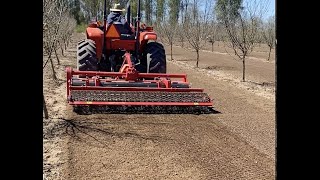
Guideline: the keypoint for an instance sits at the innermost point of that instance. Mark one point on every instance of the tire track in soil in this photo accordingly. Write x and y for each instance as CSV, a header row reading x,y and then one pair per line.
x,y
136,146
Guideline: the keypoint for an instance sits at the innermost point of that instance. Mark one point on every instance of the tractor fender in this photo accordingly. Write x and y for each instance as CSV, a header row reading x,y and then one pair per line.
x,y
96,35
148,36
145,37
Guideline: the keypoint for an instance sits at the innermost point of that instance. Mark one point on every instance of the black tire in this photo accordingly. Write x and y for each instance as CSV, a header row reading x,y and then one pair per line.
x,y
156,57
87,56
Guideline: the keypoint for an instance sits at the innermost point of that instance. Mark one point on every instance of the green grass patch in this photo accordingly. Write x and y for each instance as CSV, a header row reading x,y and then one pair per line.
x,y
81,28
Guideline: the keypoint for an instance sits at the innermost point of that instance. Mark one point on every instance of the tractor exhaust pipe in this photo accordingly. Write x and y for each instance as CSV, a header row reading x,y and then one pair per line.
x,y
128,12
104,26
138,30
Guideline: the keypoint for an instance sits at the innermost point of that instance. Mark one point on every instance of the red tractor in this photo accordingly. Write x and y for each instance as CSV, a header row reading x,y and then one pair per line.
x,y
105,46
126,72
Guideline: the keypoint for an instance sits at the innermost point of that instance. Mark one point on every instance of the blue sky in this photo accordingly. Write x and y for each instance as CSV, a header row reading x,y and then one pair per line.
x,y
272,8
270,11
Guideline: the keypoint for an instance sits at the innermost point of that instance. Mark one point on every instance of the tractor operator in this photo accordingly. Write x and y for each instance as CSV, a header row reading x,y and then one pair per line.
x,y
116,16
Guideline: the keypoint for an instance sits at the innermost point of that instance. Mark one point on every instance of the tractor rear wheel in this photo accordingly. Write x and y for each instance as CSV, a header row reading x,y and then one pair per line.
x,y
86,56
156,58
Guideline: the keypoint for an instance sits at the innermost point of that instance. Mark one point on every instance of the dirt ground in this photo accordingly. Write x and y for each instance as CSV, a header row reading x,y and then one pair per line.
x,y
236,143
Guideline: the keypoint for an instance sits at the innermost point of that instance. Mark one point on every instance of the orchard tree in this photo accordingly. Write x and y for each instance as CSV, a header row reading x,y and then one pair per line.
x,y
269,34
197,25
241,24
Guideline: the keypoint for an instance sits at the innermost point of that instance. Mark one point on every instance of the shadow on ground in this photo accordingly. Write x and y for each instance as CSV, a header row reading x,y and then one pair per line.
x,y
99,132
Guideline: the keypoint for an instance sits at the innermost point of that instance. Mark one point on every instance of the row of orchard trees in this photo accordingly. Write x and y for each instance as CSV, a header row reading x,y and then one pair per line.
x,y
58,26
238,23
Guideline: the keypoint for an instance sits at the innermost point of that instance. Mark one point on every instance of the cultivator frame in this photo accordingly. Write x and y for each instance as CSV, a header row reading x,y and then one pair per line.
x,y
131,88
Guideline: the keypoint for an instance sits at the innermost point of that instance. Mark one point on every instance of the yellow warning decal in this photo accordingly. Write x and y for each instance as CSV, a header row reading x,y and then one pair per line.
x,y
89,102
196,103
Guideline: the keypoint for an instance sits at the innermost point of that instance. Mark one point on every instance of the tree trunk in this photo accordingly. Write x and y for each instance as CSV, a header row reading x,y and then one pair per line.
x,y
55,51
62,51
197,57
182,40
52,67
212,46
243,68
171,50
66,44
269,53
45,110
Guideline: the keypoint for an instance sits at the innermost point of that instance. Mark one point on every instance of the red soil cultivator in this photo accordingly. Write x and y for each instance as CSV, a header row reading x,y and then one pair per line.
x,y
130,91
126,73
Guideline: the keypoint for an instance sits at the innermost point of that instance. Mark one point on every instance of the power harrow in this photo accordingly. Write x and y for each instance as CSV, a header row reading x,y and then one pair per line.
x,y
129,91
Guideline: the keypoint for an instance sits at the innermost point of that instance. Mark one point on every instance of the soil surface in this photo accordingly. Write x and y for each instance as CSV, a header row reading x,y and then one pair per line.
x,y
238,142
